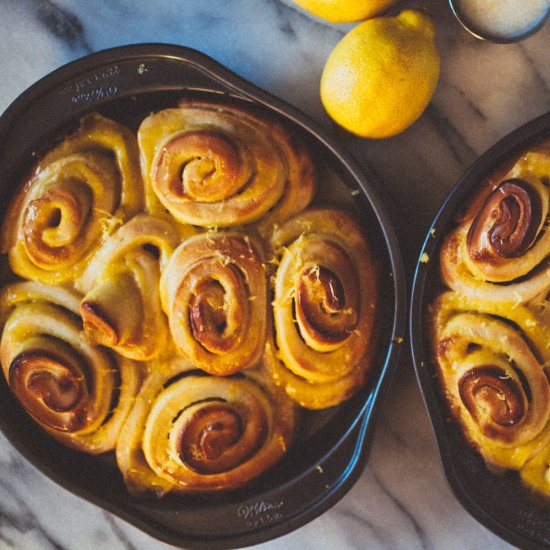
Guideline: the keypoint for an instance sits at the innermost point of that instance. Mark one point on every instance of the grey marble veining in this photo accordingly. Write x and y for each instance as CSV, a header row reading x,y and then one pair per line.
x,y
402,500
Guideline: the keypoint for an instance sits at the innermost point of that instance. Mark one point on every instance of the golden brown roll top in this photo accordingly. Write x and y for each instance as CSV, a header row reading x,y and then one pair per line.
x,y
493,362
77,392
121,308
214,291
507,224
218,165
325,292
190,432
506,240
78,192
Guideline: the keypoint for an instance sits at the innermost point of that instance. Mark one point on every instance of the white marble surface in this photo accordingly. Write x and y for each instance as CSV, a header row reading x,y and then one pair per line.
x,y
402,500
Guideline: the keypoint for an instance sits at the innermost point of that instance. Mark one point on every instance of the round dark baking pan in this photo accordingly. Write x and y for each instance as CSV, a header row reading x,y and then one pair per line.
x,y
499,502
127,83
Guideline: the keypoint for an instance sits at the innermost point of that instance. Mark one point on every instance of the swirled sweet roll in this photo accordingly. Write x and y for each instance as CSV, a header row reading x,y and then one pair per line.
x,y
191,432
220,165
507,240
121,307
325,292
491,360
77,392
78,192
214,291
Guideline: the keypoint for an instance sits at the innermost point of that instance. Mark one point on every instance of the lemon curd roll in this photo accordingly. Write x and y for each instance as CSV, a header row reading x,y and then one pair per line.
x,y
192,432
78,192
121,306
501,252
324,306
492,362
214,291
77,392
220,165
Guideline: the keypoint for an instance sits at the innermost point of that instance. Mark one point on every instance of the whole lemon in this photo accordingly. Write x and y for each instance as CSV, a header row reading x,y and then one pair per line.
x,y
381,76
345,11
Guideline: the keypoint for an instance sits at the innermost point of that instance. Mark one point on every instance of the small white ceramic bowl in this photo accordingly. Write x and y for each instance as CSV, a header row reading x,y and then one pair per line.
x,y
477,29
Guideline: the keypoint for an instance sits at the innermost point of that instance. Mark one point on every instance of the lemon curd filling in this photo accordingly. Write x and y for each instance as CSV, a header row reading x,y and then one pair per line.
x,y
504,18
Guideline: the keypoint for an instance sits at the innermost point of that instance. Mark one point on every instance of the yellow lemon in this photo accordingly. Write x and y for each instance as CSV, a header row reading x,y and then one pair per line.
x,y
381,76
345,11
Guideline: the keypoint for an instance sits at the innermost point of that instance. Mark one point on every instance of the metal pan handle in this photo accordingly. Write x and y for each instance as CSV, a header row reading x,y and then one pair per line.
x,y
254,520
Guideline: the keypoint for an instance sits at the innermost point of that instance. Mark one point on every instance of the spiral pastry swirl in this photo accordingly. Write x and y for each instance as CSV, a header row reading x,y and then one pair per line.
x,y
77,392
78,192
190,432
214,291
216,165
492,361
502,252
325,291
121,308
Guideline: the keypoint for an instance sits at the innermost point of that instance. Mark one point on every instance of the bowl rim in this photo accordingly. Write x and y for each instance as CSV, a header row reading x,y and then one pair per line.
x,y
530,132
359,435
477,32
